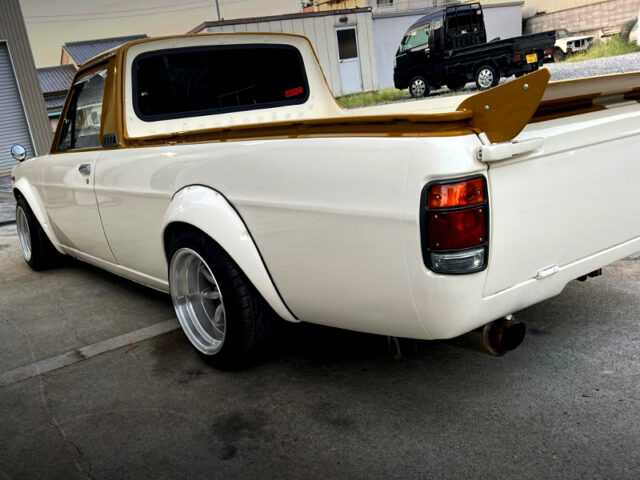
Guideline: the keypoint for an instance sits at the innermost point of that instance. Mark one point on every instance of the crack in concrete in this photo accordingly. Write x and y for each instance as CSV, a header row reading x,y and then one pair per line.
x,y
69,445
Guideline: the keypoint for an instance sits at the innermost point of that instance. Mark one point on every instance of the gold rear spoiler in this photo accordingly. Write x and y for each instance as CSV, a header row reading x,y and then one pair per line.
x,y
503,111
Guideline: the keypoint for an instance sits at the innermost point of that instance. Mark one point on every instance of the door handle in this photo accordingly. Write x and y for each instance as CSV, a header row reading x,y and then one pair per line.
x,y
85,169
505,150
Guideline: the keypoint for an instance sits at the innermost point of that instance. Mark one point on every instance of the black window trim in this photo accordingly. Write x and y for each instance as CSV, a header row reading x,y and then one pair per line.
x,y
215,111
73,101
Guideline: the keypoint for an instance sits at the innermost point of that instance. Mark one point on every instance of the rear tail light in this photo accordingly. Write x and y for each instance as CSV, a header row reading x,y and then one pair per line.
x,y
517,57
454,222
548,51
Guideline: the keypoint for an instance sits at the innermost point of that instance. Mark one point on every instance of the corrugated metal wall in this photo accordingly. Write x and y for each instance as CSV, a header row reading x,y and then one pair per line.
x,y
13,121
13,34
320,30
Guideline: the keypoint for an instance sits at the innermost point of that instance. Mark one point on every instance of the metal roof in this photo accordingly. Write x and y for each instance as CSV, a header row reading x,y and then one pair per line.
x,y
55,101
56,79
273,18
80,52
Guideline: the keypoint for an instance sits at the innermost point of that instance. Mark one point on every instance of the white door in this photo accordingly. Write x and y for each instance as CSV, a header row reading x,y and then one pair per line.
x,y
349,61
69,175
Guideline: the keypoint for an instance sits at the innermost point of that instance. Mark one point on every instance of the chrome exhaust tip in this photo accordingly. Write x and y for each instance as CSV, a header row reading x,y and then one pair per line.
x,y
495,338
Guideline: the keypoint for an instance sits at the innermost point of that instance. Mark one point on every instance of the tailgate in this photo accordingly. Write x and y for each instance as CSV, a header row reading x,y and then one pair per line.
x,y
575,197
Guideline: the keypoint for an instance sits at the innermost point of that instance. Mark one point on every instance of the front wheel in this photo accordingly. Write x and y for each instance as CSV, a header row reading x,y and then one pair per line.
x,y
487,77
418,87
222,314
37,249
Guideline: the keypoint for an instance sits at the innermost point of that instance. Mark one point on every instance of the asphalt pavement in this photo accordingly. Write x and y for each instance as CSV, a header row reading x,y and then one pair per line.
x,y
129,401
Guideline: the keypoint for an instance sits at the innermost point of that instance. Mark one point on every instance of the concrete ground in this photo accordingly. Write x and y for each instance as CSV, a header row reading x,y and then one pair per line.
x,y
327,404
7,202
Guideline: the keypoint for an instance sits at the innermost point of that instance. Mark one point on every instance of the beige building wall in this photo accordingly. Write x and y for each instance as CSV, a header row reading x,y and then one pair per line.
x,y
550,5
14,33
598,18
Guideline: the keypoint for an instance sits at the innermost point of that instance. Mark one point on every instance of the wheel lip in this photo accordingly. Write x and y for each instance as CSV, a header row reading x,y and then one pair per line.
x,y
208,348
486,74
421,86
24,232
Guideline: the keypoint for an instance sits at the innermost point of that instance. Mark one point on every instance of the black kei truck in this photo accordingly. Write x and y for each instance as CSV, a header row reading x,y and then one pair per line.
x,y
448,46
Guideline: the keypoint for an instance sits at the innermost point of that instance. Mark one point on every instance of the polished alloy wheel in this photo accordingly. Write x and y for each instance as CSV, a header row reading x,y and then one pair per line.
x,y
418,87
197,301
485,78
24,233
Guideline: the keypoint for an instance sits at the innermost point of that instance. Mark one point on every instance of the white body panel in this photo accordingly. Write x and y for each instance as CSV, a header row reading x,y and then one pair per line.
x,y
209,211
71,203
574,198
339,233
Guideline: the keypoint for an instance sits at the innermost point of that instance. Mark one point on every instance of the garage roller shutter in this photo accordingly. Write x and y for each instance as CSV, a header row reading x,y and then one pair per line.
x,y
13,122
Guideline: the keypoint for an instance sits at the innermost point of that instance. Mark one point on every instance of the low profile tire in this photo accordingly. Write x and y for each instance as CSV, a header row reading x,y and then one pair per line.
x,y
486,77
456,84
222,314
418,87
558,54
37,249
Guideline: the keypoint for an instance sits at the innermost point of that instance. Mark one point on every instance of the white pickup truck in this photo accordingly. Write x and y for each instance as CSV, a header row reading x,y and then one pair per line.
x,y
220,169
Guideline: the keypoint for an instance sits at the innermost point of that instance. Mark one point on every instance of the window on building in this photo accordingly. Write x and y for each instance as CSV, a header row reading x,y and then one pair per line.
x,y
384,2
187,82
347,43
81,127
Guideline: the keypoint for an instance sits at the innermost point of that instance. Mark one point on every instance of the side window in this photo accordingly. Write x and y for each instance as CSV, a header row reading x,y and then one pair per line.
x,y
192,81
81,125
417,38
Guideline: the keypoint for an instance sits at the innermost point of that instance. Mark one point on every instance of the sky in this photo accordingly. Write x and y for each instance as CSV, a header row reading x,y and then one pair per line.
x,y
51,23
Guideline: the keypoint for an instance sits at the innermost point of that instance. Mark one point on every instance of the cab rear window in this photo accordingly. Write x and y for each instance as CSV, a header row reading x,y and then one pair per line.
x,y
188,82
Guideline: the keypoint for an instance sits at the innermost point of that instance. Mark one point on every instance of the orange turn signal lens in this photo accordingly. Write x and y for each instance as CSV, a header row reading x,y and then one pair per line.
x,y
468,192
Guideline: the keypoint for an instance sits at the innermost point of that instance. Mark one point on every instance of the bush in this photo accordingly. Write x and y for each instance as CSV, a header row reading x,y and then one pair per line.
x,y
371,98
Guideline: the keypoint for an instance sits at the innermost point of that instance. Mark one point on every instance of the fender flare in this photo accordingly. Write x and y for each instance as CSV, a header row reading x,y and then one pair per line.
x,y
209,211
24,189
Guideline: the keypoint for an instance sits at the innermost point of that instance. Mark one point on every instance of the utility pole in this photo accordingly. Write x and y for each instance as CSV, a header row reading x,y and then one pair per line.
x,y
218,10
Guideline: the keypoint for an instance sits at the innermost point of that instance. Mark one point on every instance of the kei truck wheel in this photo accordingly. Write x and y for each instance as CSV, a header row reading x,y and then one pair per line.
x,y
487,77
221,313
418,87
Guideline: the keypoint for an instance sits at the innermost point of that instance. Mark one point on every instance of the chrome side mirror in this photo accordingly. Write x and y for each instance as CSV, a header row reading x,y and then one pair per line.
x,y
18,152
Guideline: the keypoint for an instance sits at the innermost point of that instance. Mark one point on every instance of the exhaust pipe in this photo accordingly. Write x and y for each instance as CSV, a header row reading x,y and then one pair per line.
x,y
495,338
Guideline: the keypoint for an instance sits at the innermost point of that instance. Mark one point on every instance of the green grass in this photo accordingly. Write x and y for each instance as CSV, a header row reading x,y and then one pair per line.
x,y
615,46
366,99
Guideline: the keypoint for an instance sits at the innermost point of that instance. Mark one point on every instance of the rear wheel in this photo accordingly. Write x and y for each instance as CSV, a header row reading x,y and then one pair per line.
x,y
37,249
418,87
486,77
222,314
558,54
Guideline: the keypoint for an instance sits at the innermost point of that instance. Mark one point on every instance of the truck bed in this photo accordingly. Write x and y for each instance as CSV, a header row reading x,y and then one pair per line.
x,y
524,44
